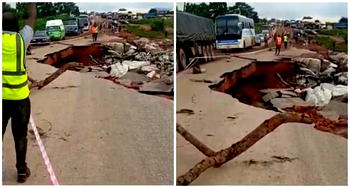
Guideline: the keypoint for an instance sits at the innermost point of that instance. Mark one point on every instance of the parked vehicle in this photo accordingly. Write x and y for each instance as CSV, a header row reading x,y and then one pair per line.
x,y
40,37
266,33
259,39
234,31
83,22
195,37
71,27
55,29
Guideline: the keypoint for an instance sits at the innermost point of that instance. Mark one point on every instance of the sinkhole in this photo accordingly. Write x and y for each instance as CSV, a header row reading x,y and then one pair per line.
x,y
246,83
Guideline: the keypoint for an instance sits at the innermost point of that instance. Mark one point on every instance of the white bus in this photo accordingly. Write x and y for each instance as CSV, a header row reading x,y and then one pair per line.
x,y
234,31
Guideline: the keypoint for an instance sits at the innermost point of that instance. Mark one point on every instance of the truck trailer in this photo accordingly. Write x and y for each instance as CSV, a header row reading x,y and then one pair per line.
x,y
195,37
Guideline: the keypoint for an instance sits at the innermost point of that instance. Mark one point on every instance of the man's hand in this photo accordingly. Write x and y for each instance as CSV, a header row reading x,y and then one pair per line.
x,y
31,7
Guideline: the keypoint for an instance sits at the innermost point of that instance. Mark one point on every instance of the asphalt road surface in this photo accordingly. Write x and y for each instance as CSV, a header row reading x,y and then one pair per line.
x,y
316,158
95,132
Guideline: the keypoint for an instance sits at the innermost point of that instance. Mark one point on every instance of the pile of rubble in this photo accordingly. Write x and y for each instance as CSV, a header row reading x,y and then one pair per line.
x,y
144,64
322,79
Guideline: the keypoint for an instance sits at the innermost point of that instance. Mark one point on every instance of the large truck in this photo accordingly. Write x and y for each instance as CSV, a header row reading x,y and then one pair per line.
x,y
195,37
71,26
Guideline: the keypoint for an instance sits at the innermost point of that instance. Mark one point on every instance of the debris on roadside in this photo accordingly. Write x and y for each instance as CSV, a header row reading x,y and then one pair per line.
x,y
142,57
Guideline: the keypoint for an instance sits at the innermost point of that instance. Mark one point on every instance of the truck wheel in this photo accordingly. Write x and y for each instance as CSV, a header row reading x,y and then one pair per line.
x,y
205,53
207,49
183,59
208,52
212,52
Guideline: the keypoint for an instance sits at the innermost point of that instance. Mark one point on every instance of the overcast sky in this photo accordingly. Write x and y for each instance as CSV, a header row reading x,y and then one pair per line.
x,y
322,11
133,6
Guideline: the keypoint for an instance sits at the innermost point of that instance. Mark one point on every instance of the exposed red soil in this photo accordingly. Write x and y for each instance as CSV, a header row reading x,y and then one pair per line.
x,y
245,83
337,127
74,54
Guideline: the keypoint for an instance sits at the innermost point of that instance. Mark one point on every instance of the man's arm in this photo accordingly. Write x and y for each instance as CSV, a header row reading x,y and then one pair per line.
x,y
27,30
32,14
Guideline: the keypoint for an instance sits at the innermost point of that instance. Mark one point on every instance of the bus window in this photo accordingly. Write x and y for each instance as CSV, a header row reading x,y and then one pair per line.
x,y
232,25
220,26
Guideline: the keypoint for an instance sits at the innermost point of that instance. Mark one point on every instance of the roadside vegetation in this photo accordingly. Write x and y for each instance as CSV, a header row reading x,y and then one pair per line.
x,y
45,11
153,28
40,23
336,38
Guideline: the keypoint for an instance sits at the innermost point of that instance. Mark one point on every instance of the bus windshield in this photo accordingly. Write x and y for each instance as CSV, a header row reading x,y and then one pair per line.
x,y
228,26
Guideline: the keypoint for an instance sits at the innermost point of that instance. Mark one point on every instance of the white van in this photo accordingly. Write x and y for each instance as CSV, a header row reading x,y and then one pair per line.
x,y
55,29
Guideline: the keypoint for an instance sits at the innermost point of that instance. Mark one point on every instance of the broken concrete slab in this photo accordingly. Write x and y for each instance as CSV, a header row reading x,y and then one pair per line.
x,y
118,70
134,76
135,64
156,87
288,102
149,68
311,63
270,96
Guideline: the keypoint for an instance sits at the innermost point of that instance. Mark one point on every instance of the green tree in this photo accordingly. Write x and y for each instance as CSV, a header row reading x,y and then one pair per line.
x,y
48,9
21,10
67,8
7,8
217,9
201,9
45,9
245,10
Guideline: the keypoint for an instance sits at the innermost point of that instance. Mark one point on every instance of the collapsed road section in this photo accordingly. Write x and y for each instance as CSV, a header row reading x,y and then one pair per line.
x,y
303,77
144,66
305,89
284,84
245,84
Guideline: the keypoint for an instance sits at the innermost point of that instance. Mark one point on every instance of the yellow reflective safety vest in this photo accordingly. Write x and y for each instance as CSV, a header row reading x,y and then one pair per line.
x,y
14,74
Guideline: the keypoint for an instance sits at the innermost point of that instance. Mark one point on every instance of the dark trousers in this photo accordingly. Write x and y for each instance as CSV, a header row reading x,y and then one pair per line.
x,y
285,45
94,37
19,112
278,49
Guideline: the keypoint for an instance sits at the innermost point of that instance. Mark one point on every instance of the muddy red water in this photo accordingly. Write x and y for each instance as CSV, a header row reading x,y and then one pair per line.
x,y
245,83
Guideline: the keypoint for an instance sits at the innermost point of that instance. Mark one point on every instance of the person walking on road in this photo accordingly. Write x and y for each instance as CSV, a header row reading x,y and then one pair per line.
x,y
94,32
285,40
15,90
278,42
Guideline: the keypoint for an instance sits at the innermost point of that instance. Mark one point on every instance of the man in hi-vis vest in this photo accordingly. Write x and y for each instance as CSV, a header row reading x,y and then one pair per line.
x,y
15,90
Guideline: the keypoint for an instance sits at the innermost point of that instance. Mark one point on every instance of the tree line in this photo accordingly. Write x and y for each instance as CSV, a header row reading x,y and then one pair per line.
x,y
214,9
44,9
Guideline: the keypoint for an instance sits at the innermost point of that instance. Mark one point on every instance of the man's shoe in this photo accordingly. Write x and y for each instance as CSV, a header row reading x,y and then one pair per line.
x,y
22,176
